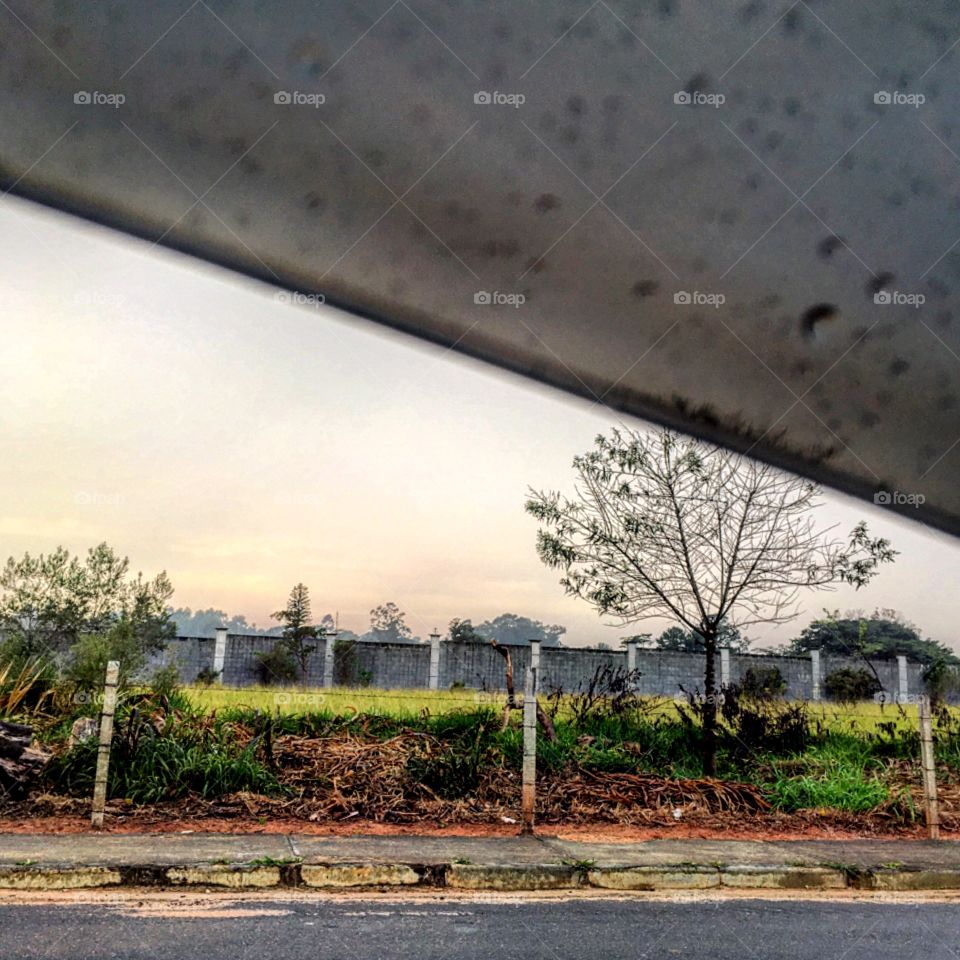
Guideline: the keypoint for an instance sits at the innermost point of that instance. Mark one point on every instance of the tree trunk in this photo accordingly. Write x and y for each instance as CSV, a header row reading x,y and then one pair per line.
x,y
709,714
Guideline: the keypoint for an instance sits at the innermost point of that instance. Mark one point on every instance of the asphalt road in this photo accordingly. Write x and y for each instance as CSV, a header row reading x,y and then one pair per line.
x,y
579,929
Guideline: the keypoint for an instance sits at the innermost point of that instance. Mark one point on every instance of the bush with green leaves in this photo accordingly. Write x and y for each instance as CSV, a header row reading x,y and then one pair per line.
x,y
850,684
185,754
346,662
940,678
277,665
207,676
165,682
840,774
762,683
86,664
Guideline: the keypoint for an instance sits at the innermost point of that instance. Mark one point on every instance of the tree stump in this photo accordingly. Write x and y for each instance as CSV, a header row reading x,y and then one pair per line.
x,y
20,764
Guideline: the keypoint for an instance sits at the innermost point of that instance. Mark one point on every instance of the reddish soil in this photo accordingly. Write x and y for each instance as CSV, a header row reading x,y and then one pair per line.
x,y
787,827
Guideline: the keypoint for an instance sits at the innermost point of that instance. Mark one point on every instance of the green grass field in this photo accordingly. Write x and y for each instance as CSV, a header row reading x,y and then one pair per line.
x,y
342,700
854,718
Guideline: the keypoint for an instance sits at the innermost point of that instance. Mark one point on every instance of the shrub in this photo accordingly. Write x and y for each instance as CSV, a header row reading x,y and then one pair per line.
x,y
147,765
849,684
453,770
165,681
207,677
277,665
753,727
611,691
26,685
836,776
763,683
940,679
346,666
87,664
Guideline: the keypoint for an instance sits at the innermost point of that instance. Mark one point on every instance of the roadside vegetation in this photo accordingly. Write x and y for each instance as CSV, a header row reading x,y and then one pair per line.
x,y
659,526
397,755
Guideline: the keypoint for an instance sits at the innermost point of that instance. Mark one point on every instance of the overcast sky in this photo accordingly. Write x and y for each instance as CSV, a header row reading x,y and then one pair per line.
x,y
199,425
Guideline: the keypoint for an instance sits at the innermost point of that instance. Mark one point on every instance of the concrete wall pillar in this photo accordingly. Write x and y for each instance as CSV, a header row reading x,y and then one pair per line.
x,y
434,677
535,663
725,666
631,656
815,671
220,652
330,639
903,684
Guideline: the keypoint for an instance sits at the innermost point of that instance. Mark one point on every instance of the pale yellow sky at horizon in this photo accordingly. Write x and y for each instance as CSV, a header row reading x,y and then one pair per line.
x,y
197,424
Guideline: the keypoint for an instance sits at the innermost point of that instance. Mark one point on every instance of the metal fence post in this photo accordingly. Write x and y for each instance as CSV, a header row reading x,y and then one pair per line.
x,y
106,738
815,671
931,805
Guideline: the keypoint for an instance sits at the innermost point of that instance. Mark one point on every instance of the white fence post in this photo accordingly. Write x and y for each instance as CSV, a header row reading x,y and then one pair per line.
x,y
815,670
903,693
529,797
106,739
220,652
434,680
931,805
535,655
725,666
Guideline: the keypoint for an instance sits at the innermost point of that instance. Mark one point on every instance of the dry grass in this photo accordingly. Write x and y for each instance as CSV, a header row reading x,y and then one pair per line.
x,y
339,777
19,688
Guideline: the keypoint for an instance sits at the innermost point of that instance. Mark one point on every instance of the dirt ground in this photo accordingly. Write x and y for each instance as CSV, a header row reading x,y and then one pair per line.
x,y
810,825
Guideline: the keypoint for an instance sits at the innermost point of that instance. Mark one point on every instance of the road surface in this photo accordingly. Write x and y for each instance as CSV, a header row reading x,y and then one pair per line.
x,y
149,927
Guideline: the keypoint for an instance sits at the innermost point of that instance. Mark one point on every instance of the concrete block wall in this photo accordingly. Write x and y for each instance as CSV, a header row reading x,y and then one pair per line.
x,y
478,666
395,665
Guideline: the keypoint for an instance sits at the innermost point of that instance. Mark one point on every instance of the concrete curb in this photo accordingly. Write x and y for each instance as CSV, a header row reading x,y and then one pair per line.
x,y
367,876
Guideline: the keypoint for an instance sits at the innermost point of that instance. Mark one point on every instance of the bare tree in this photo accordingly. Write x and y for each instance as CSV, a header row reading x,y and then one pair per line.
x,y
666,526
